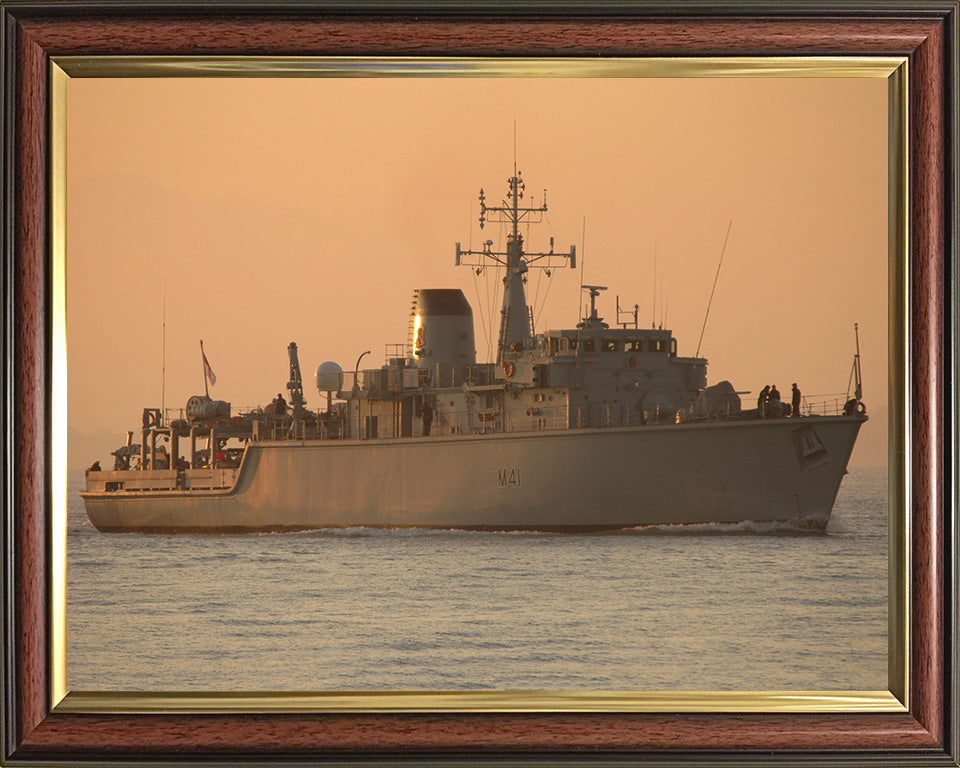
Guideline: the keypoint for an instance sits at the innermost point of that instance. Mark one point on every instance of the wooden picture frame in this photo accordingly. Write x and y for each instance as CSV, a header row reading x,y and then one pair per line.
x,y
35,33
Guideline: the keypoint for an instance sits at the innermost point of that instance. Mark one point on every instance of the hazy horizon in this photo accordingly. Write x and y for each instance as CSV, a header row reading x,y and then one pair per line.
x,y
309,210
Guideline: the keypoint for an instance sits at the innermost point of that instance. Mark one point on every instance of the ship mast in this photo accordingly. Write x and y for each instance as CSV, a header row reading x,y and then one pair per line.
x,y
515,323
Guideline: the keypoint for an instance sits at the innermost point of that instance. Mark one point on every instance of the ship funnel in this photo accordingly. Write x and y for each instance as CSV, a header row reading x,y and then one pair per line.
x,y
442,328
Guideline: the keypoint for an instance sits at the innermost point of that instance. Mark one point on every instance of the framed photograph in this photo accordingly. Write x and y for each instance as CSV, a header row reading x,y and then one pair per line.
x,y
246,177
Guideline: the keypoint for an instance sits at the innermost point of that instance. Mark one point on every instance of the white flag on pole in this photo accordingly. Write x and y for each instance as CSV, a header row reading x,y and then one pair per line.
x,y
211,376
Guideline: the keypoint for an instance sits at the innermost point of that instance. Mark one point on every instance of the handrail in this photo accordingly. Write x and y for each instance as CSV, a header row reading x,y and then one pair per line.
x,y
824,405
532,418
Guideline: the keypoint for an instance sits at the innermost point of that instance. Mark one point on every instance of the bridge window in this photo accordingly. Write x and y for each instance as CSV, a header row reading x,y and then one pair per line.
x,y
610,345
633,345
589,345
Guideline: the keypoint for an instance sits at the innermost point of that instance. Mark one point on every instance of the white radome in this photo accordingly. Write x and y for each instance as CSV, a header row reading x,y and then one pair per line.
x,y
329,377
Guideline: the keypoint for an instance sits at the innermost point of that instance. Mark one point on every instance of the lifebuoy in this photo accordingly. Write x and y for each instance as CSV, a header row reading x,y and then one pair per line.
x,y
633,362
149,418
861,408
508,369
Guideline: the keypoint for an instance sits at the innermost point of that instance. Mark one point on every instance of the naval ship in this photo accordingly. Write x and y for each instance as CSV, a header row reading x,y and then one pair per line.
x,y
590,428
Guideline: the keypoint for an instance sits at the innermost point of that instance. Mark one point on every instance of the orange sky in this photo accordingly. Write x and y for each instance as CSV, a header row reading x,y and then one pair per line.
x,y
308,210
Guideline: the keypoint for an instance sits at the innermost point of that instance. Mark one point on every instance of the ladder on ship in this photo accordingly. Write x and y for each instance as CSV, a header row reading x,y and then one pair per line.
x,y
504,322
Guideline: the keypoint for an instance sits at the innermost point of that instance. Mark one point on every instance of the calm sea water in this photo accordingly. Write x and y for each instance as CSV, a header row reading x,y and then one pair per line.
x,y
709,608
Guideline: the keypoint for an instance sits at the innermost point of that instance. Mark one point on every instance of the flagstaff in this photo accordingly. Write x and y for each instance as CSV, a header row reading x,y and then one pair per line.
x,y
208,374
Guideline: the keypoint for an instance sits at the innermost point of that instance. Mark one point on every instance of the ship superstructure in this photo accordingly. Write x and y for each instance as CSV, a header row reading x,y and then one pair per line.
x,y
585,428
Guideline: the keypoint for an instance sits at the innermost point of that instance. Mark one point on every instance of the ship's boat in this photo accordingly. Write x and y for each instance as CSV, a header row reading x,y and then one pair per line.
x,y
581,429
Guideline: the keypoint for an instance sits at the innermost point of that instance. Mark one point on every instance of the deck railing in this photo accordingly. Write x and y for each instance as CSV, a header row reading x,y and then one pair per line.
x,y
824,405
474,420
396,379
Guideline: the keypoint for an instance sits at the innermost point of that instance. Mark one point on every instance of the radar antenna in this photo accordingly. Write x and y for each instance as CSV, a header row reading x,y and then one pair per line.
x,y
515,330
593,321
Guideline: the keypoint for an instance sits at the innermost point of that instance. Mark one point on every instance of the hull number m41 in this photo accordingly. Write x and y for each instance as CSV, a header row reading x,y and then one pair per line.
x,y
508,476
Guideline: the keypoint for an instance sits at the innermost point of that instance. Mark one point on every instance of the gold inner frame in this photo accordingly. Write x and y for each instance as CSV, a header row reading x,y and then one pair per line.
x,y
893,69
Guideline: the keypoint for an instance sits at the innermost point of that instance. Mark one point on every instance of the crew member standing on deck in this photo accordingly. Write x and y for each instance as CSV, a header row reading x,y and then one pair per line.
x,y
762,401
426,413
795,412
774,406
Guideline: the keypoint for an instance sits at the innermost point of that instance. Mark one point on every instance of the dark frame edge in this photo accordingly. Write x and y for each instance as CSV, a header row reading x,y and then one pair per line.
x,y
26,606
528,9
8,163
951,346
951,724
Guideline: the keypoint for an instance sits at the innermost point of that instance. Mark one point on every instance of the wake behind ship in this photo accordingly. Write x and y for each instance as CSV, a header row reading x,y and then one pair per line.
x,y
580,429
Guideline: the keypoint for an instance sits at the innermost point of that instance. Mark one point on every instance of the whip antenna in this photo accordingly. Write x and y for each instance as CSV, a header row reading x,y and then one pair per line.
x,y
583,248
716,277
163,350
653,311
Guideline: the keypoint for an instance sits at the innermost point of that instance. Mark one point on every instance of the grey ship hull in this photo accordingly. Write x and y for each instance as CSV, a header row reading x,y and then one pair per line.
x,y
573,480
